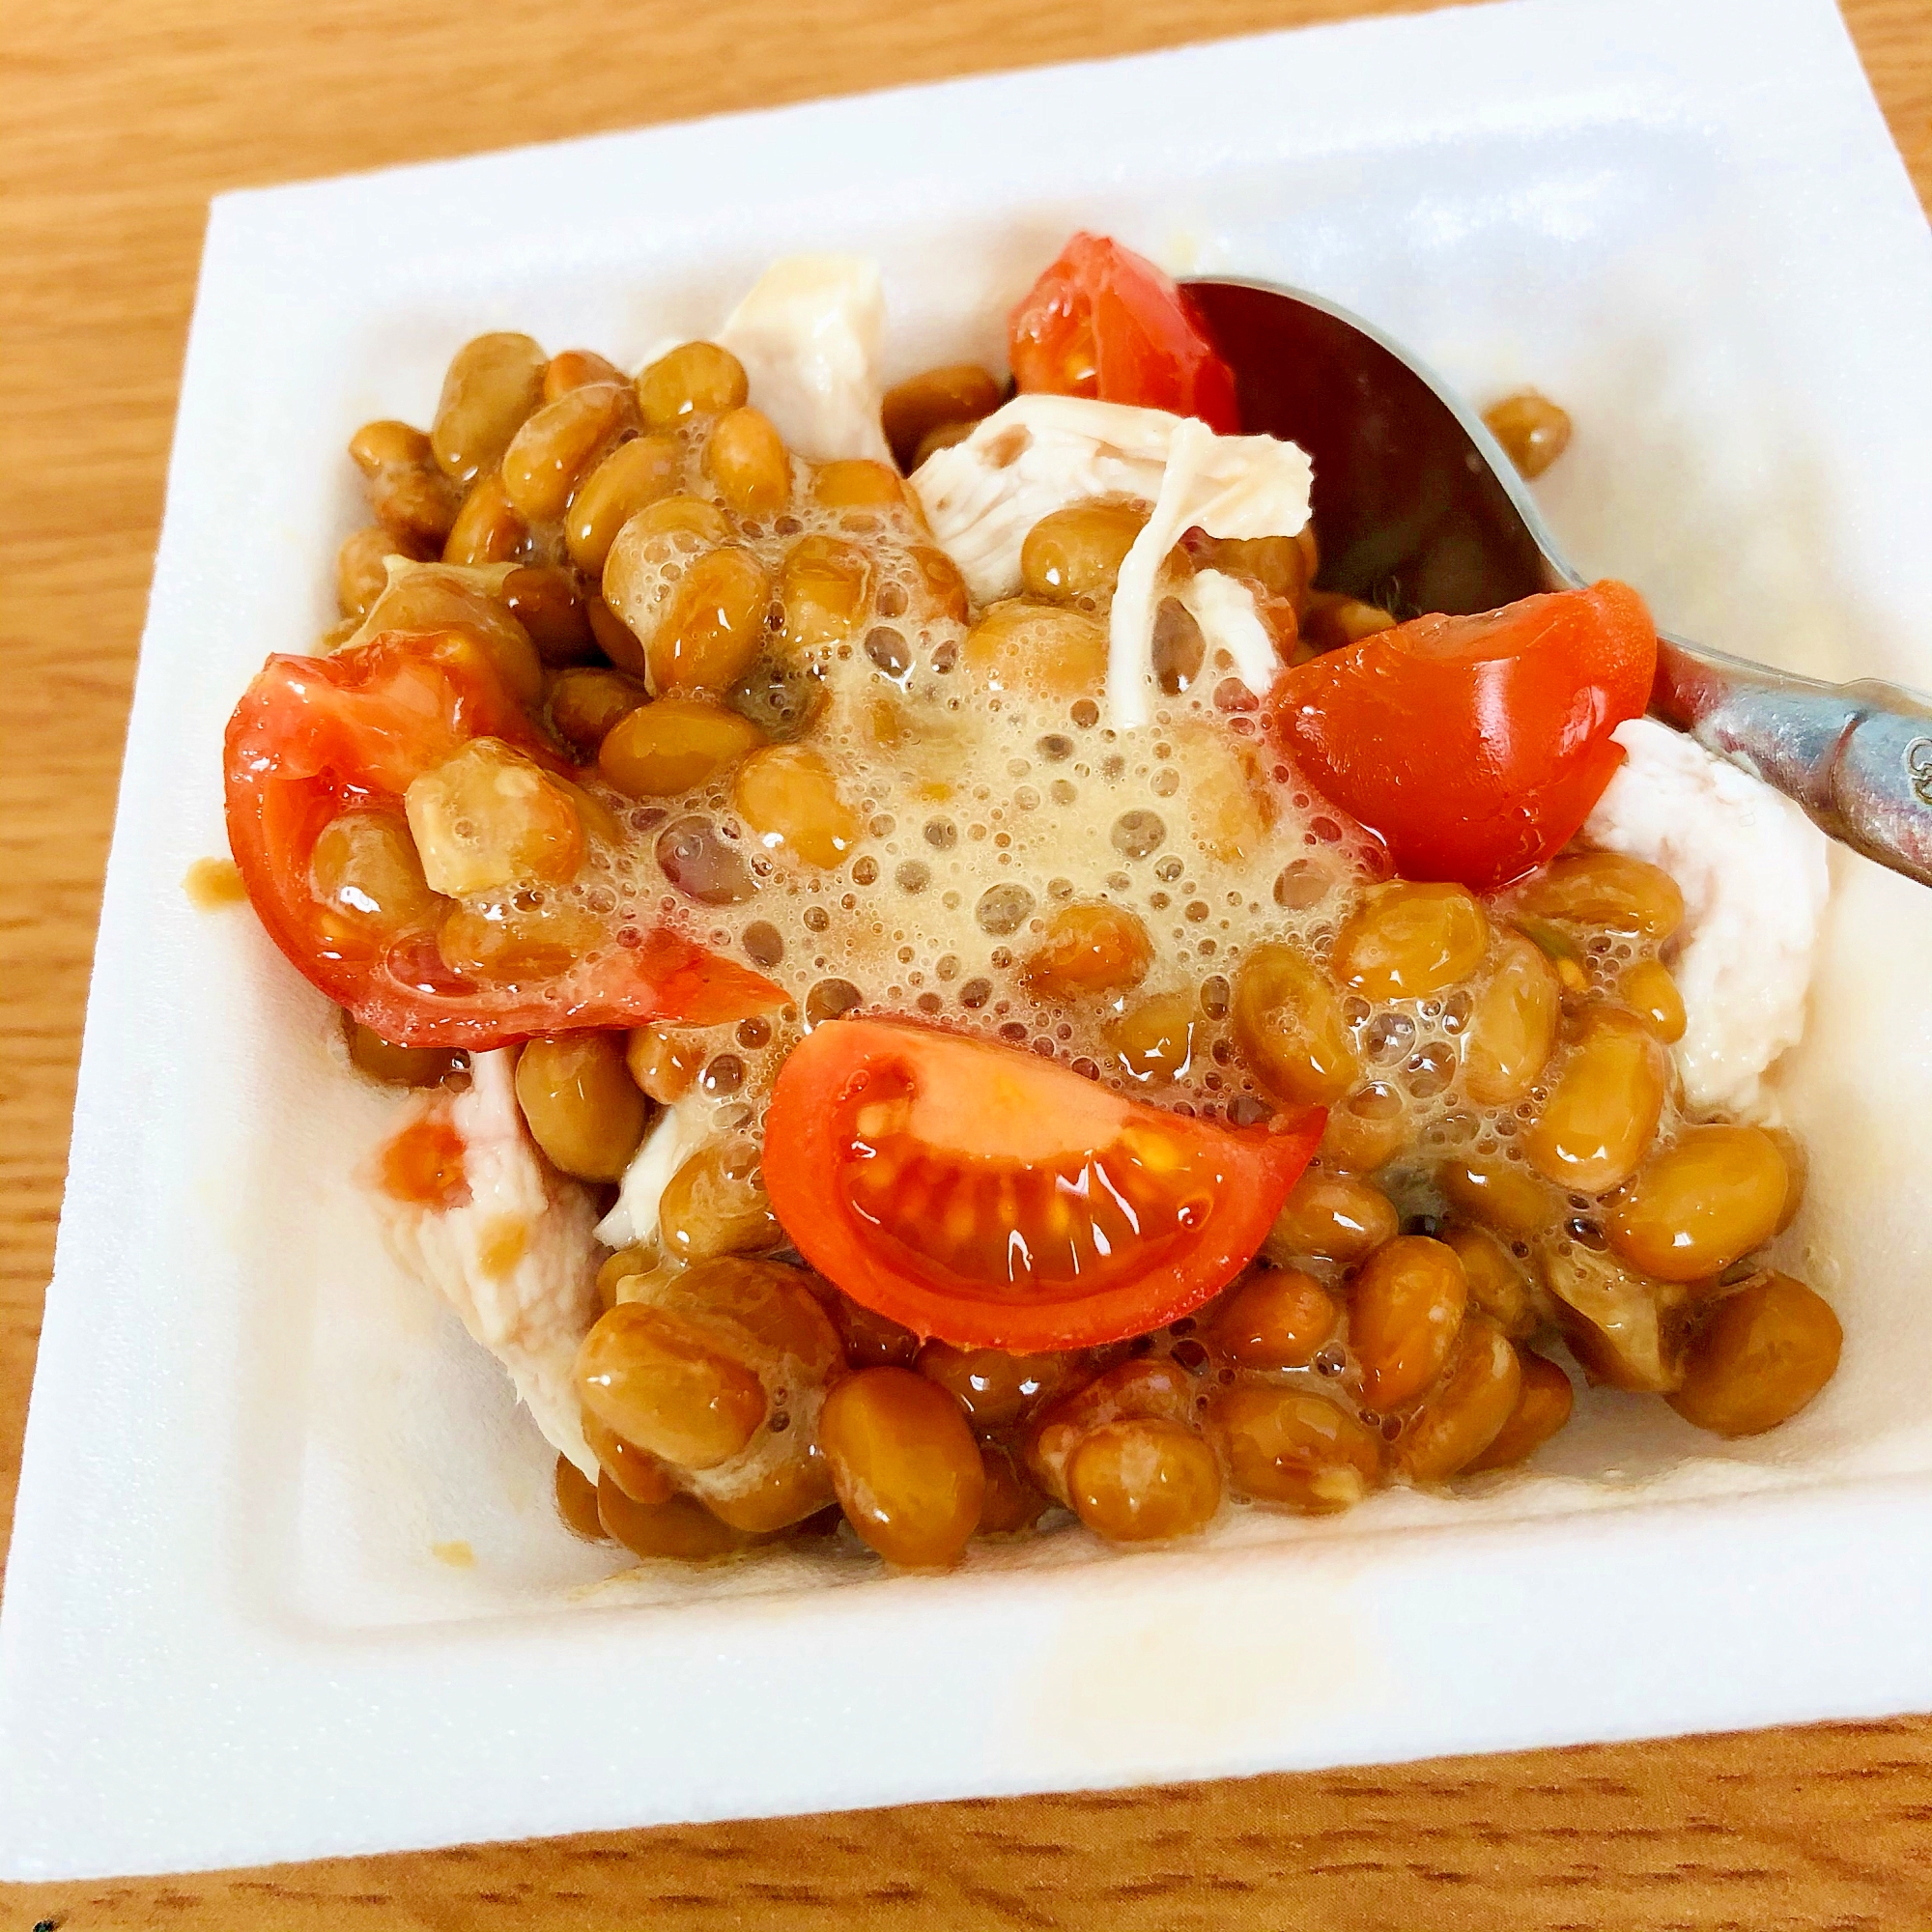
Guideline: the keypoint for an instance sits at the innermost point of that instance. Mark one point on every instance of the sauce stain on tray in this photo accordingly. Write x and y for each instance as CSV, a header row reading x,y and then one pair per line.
x,y
1111,1681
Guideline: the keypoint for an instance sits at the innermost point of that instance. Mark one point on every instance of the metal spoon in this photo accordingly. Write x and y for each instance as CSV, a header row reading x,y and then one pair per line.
x,y
1419,509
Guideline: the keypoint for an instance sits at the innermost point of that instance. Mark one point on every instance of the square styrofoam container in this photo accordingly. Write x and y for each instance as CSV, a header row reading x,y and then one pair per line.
x,y
227,1635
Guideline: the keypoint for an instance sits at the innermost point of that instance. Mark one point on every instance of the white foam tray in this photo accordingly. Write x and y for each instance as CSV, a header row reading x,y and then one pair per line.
x,y
226,1637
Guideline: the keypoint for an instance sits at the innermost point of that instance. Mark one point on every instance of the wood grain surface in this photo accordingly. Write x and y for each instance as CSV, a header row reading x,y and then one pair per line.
x,y
118,120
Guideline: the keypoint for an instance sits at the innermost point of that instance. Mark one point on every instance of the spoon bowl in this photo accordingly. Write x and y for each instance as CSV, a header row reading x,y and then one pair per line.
x,y
1419,510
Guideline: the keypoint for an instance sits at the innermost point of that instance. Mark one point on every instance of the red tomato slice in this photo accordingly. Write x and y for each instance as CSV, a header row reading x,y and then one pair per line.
x,y
1475,745
313,737
977,1193
1105,322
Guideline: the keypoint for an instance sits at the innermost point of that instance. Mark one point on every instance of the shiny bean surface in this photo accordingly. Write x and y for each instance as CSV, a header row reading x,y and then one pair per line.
x,y
694,379
673,745
587,701
573,368
490,817
1624,1327
365,868
993,1389
1144,1482
856,483
1543,1404
941,590
636,1471
825,585
615,638
1275,566
904,1464
1289,1026
1404,940
1533,431
386,444
662,1382
398,1066
769,1312
521,945
1233,796
1467,1409
680,1527
871,1339
662,1060
1332,1216
1705,1201
543,599
1512,1027
1154,1040
1294,1447
628,1269
634,474
1365,1131
791,1488
1044,649
684,522
1499,1284
788,797
715,1204
582,1108
1075,554
433,599
1404,1308
959,392
1276,1317
1150,1388
1797,1172
714,625
746,458
1498,1194
556,449
1651,993
702,863
409,497
494,384
1606,889
1764,1354
1089,947
488,529
362,569
1178,648
942,435
1603,1108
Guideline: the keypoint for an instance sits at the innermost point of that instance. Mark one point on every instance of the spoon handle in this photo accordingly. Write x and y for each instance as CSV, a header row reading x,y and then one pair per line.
x,y
1857,756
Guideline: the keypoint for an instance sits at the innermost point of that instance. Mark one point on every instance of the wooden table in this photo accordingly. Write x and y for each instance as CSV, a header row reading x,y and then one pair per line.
x,y
119,119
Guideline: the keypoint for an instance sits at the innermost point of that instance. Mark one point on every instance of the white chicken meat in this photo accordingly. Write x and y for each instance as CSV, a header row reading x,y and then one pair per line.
x,y
516,1260
1042,454
809,337
1752,871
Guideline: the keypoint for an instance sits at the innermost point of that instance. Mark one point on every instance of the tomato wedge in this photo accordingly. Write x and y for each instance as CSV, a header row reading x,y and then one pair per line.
x,y
1105,322
980,1194
314,738
1475,747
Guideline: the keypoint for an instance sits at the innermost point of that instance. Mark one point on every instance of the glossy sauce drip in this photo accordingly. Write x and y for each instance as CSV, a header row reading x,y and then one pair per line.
x,y
423,1165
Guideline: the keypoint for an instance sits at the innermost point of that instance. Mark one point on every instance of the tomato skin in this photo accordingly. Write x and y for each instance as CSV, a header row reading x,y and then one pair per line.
x,y
809,1130
314,736
1104,322
1474,747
